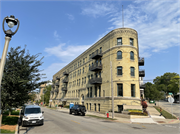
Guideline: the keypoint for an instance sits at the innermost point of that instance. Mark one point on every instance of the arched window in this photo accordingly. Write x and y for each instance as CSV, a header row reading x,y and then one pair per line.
x,y
119,70
119,55
132,55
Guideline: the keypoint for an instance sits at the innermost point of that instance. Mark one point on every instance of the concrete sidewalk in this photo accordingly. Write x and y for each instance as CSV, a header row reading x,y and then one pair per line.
x,y
153,117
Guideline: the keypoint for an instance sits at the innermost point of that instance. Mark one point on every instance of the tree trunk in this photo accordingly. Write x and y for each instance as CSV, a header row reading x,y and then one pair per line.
x,y
9,113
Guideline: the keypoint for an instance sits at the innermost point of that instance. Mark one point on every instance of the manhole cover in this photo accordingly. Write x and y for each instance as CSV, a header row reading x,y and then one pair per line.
x,y
160,121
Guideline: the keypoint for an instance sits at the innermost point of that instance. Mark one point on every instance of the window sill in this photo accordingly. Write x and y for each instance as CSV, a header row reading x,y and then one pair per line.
x,y
119,75
132,76
132,60
119,59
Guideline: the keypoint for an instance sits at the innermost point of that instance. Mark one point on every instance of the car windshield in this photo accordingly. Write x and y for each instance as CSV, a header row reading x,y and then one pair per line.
x,y
32,110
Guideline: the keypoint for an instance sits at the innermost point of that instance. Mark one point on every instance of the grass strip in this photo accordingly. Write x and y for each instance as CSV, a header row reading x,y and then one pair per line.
x,y
9,120
166,114
100,117
6,131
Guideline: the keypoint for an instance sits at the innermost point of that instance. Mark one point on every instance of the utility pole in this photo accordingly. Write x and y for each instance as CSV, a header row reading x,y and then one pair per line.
x,y
112,93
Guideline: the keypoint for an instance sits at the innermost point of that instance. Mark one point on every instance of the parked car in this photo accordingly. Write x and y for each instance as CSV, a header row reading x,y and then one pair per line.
x,y
76,109
31,115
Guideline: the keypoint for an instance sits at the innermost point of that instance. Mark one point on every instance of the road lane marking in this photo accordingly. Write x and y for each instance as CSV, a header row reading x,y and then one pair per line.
x,y
75,121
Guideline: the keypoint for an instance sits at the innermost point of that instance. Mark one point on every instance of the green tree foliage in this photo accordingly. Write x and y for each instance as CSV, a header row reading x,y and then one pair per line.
x,y
168,82
32,96
20,77
46,94
151,92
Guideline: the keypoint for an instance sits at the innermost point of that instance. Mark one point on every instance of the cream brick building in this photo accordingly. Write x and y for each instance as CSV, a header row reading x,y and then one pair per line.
x,y
87,79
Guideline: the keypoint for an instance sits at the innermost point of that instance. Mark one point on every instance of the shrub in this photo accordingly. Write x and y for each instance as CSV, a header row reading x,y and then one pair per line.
x,y
138,113
9,120
66,106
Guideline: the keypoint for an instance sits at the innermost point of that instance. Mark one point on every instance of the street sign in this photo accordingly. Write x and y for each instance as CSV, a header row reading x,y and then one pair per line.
x,y
170,93
170,100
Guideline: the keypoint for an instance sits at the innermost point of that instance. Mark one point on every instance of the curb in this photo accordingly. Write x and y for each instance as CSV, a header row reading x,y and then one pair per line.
x,y
16,131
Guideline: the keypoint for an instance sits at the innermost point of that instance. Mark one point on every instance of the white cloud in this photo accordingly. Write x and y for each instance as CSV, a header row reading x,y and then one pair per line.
x,y
99,9
66,53
70,16
53,69
157,24
56,35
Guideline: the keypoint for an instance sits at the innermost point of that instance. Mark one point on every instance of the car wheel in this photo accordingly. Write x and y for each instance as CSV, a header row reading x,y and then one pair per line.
x,y
83,114
76,113
70,112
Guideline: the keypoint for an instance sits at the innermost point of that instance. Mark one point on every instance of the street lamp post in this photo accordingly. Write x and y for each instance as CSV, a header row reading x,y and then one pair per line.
x,y
11,21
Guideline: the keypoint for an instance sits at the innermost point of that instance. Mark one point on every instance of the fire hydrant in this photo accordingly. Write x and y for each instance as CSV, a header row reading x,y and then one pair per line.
x,y
107,114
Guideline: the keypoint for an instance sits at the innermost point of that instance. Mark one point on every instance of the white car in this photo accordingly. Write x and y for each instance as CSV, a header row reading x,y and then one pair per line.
x,y
32,115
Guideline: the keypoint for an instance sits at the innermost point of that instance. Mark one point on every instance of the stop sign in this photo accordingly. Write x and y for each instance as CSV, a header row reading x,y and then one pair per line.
x,y
171,100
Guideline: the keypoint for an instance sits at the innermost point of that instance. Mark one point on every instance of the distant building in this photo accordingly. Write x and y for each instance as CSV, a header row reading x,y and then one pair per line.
x,y
42,87
87,79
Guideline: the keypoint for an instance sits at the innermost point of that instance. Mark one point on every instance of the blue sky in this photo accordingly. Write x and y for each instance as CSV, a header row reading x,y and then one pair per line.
x,y
62,30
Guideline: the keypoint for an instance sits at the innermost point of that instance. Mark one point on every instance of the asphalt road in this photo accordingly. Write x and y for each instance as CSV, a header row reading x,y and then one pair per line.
x,y
58,122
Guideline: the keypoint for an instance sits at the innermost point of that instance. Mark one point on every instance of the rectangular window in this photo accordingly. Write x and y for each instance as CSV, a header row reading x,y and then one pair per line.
x,y
78,64
131,42
90,91
83,60
119,70
95,91
132,90
85,80
90,105
119,41
80,71
77,82
89,56
99,91
83,69
87,106
94,107
132,71
82,81
120,89
99,107
100,50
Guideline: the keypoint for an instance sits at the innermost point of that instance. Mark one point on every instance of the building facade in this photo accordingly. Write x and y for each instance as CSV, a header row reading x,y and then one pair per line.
x,y
88,79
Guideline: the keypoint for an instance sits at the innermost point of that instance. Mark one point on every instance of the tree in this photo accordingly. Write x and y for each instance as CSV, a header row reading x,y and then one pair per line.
x,y
20,77
32,96
46,94
151,92
167,82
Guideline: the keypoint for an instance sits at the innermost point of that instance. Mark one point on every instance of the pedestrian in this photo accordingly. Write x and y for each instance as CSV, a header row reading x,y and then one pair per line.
x,y
160,112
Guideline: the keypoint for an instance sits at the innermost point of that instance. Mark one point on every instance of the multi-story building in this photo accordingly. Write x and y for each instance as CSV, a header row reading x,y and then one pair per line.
x,y
87,79
42,87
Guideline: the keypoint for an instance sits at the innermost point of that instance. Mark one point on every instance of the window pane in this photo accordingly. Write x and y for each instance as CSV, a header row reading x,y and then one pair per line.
x,y
119,70
119,41
120,89
132,90
131,42
119,55
132,55
132,71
